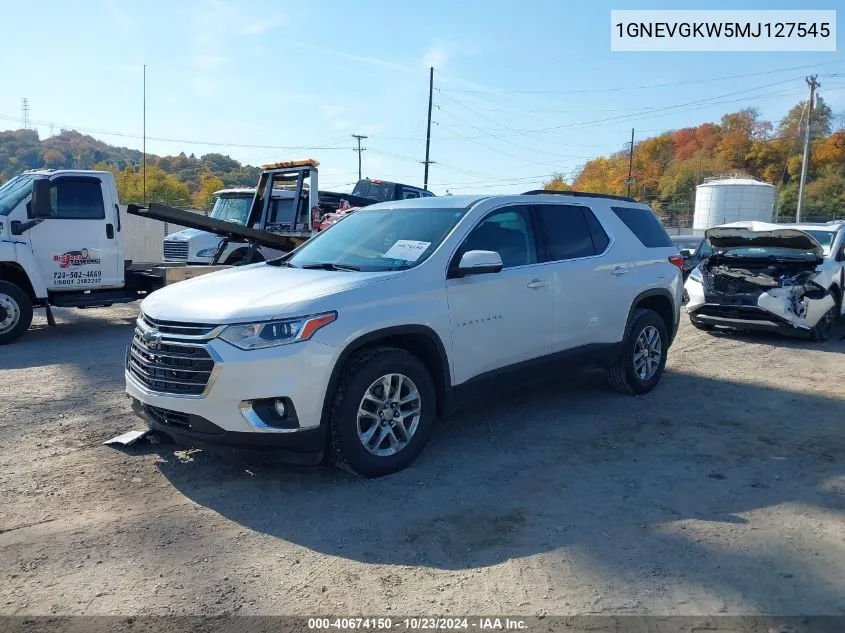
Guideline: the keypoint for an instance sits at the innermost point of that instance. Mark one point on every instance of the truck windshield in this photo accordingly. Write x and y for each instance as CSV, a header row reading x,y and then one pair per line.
x,y
373,240
373,190
13,192
232,209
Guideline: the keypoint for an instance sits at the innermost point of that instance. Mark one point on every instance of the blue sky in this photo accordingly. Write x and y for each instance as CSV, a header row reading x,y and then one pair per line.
x,y
522,89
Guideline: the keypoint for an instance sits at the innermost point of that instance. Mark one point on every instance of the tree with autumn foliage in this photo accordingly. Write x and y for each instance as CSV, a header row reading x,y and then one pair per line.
x,y
668,167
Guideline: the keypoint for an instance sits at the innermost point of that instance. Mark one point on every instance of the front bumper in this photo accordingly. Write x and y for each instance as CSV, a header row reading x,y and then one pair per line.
x,y
298,372
767,311
305,446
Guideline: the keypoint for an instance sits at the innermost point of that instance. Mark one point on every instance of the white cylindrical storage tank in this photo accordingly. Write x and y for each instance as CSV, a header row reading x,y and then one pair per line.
x,y
732,200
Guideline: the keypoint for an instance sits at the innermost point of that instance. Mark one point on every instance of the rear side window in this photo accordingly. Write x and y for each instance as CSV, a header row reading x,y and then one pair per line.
x,y
570,232
645,225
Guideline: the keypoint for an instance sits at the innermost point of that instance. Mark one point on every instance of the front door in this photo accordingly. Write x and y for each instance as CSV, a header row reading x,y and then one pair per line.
x,y
499,319
76,247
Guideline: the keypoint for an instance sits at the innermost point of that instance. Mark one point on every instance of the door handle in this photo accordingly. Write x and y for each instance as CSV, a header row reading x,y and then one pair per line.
x,y
537,283
110,231
619,270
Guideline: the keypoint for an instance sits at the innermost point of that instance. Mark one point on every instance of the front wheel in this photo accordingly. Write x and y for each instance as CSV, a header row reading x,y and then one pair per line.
x,y
824,328
15,312
381,413
640,365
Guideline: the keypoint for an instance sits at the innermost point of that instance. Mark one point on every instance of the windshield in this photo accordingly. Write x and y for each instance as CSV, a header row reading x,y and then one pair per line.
x,y
232,209
13,192
378,239
374,190
825,238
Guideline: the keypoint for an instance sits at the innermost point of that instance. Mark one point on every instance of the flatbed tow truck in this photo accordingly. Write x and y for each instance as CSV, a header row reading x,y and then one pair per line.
x,y
62,239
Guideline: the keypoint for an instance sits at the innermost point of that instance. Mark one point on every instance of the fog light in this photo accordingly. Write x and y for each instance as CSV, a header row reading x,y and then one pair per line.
x,y
279,407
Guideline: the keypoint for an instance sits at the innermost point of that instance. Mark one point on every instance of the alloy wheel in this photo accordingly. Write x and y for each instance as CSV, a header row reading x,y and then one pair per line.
x,y
389,414
648,352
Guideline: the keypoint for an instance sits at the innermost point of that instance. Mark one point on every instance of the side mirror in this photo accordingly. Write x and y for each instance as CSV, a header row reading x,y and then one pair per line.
x,y
41,198
478,263
686,253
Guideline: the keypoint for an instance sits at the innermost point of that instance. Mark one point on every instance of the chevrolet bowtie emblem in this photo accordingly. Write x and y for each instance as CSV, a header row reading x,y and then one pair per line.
x,y
151,338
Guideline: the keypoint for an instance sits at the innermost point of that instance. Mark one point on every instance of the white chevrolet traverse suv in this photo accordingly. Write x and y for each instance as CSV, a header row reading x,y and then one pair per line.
x,y
355,342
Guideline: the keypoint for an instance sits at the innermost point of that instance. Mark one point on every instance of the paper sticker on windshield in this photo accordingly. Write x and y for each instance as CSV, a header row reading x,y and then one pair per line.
x,y
407,250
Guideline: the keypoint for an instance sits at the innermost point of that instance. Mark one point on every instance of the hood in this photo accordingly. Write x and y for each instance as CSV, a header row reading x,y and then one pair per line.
x,y
761,235
256,292
185,235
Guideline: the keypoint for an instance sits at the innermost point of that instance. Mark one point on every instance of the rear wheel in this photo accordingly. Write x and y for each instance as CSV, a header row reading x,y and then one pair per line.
x,y
640,365
15,312
381,413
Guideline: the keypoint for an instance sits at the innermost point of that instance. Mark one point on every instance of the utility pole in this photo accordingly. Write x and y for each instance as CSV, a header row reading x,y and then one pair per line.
x,y
630,163
25,113
813,84
144,134
360,149
428,131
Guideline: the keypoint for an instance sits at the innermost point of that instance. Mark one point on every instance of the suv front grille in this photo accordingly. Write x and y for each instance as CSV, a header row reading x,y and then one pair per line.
x,y
178,329
170,367
175,250
166,416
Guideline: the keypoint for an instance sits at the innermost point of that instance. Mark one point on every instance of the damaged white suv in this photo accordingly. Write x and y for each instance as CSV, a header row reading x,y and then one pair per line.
x,y
784,278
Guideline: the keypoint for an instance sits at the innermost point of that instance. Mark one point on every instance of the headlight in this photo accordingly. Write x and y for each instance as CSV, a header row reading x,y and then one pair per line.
x,y
206,252
272,333
695,275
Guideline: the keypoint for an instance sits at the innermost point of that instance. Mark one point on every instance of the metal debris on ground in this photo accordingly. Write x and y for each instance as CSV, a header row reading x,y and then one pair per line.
x,y
127,439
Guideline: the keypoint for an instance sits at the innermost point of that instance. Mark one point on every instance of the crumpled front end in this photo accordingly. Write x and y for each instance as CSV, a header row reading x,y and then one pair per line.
x,y
787,298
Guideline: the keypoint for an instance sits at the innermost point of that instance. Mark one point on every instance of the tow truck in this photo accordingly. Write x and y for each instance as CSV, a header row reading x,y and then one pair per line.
x,y
63,239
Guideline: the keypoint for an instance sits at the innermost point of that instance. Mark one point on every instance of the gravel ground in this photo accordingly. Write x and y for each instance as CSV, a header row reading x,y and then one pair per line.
x,y
722,492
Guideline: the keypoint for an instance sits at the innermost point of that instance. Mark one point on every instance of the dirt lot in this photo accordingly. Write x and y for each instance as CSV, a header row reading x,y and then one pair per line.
x,y
723,492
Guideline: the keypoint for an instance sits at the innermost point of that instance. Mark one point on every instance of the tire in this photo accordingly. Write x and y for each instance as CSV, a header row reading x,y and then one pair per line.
x,y
348,430
15,312
824,328
704,327
623,375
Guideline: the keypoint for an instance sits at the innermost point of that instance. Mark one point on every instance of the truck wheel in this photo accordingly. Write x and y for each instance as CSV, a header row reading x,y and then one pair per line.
x,y
381,413
640,365
15,312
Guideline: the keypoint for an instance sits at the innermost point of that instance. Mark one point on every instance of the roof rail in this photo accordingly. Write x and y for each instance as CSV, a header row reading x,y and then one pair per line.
x,y
582,194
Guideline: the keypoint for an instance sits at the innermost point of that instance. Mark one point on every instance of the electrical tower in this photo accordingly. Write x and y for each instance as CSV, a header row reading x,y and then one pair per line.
x,y
25,113
359,149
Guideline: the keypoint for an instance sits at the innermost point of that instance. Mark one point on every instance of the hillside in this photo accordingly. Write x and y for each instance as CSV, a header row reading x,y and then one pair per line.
x,y
181,180
667,167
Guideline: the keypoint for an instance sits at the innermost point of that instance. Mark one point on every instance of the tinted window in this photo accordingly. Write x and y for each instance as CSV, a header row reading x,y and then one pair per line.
x,y
706,249
566,232
507,232
77,200
600,238
645,225
410,193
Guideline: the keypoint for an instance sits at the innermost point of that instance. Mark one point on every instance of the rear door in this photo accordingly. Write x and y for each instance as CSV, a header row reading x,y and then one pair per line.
x,y
575,246
76,247
500,319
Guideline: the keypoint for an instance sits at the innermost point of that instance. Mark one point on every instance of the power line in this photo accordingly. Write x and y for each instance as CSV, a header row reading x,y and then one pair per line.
x,y
649,86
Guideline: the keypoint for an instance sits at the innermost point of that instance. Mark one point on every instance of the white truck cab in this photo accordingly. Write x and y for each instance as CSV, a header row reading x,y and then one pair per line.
x,y
232,205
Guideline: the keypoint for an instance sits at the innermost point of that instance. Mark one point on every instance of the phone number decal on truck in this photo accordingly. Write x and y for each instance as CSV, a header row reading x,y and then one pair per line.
x,y
76,277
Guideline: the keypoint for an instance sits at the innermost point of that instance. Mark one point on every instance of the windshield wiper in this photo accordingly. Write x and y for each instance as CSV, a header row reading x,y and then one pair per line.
x,y
330,266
